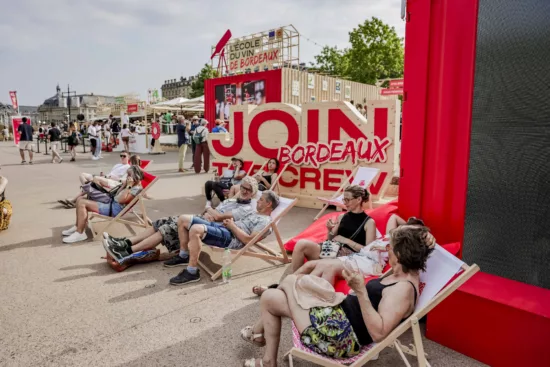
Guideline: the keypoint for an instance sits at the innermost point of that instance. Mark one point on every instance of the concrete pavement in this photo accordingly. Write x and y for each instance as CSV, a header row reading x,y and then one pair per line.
x,y
61,305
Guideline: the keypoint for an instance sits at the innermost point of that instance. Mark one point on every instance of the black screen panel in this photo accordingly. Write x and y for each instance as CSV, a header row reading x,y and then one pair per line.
x,y
507,230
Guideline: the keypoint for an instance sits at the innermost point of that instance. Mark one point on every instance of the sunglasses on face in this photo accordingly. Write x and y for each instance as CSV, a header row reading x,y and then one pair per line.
x,y
123,156
246,189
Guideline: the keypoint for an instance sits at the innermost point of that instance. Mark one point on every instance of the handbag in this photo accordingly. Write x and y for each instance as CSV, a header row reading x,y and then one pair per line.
x,y
98,193
333,249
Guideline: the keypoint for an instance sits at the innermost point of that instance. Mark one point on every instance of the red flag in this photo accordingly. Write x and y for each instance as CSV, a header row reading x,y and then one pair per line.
x,y
221,44
13,96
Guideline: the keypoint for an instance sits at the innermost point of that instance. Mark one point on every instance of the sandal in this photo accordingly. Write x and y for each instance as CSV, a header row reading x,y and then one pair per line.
x,y
252,362
260,289
248,335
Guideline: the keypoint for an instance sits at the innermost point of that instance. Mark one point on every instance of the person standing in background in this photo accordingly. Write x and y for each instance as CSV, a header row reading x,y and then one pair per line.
x,y
92,135
72,141
182,129
220,127
107,133
202,151
99,130
125,135
25,141
55,137
194,125
6,133
115,128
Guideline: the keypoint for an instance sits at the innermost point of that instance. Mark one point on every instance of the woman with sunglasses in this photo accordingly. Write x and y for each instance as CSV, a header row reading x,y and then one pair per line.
x,y
350,233
123,196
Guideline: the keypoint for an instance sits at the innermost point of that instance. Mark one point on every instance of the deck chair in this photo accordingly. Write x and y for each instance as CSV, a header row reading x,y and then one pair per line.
x,y
142,219
280,172
264,252
144,164
248,166
362,176
441,268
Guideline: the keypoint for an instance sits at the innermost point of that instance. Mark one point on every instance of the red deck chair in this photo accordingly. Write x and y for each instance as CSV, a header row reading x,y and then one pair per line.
x,y
144,164
142,219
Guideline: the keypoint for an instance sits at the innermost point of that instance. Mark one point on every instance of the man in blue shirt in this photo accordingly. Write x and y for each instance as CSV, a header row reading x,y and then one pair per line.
x,y
220,127
182,129
25,140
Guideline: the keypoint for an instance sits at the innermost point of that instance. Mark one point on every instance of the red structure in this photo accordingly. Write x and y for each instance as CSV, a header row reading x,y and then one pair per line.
x,y
495,320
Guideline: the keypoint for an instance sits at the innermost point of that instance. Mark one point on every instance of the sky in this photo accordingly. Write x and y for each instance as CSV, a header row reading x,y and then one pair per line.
x,y
114,47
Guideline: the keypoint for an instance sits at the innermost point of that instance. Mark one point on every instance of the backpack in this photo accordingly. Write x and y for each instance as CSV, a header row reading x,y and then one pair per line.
x,y
5,218
199,137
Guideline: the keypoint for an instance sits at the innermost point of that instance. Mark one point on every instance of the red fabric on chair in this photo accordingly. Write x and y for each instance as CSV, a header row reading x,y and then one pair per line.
x,y
317,231
147,179
144,164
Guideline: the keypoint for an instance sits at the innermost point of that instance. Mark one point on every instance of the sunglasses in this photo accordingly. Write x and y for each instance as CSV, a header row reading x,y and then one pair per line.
x,y
246,189
123,156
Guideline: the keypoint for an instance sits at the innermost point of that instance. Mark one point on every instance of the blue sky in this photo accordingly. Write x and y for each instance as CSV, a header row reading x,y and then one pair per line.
x,y
114,47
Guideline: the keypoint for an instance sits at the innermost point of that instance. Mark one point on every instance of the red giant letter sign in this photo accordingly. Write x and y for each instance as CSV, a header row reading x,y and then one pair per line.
x,y
319,144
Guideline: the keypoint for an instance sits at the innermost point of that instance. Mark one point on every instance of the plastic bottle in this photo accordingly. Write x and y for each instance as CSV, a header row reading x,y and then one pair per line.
x,y
226,270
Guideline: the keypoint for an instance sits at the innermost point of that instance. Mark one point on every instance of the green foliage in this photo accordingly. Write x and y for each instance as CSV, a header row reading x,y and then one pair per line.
x,y
376,52
197,87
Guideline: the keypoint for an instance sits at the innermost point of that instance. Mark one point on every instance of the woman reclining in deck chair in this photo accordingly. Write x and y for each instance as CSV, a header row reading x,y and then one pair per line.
x,y
352,231
370,314
265,179
124,195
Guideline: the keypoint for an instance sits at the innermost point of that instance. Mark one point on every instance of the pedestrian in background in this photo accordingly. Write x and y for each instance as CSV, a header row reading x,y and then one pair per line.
x,y
202,151
54,135
182,129
72,141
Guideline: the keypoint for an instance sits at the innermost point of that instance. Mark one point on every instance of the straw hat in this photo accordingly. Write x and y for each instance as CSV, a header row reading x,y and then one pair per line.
x,y
195,117
311,291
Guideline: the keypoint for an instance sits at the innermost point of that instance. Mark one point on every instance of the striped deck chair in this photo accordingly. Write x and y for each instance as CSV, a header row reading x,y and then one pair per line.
x,y
266,253
142,219
442,267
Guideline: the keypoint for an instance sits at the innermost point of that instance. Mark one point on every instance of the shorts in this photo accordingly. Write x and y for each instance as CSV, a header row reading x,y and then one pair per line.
x,y
168,228
330,333
216,234
126,139
93,142
26,145
105,208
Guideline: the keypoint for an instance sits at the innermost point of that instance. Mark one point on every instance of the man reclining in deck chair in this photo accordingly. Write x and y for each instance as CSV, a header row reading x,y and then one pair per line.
x,y
124,195
370,314
165,230
193,231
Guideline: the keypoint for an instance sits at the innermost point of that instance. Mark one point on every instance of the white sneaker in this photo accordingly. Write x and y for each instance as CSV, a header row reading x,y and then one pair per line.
x,y
94,158
69,231
208,204
76,237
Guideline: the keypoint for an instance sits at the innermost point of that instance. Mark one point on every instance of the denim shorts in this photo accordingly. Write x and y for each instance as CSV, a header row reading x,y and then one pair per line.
x,y
104,208
216,234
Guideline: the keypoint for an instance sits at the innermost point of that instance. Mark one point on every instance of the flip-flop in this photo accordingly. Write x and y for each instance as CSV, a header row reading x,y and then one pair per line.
x,y
247,334
252,362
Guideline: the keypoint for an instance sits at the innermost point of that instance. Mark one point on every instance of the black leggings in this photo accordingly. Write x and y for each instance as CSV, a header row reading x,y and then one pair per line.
x,y
210,186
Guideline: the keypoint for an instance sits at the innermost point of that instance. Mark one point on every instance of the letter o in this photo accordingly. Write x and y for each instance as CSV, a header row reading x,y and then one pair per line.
x,y
287,119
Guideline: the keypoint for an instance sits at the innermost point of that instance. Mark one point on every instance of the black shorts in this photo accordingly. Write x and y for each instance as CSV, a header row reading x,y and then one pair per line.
x,y
93,142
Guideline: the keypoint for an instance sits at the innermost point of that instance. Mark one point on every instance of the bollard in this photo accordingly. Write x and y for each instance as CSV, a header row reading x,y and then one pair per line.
x,y
46,145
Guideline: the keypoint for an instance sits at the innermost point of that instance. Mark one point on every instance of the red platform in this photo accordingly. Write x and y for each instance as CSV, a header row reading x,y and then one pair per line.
x,y
495,320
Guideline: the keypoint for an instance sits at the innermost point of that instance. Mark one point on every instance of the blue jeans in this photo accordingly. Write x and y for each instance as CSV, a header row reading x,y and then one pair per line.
x,y
216,234
104,209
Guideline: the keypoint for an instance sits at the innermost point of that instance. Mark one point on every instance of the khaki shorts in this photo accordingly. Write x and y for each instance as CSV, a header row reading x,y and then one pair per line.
x,y
26,145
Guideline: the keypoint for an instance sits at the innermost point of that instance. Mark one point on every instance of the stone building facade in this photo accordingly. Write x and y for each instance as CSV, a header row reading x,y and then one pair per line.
x,y
174,88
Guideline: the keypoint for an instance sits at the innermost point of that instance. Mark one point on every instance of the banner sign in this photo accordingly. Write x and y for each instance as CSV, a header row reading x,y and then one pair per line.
x,y
15,122
391,92
132,108
320,142
397,83
13,96
249,54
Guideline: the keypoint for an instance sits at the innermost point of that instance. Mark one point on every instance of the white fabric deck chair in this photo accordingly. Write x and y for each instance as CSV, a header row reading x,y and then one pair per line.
x,y
440,270
362,176
266,253
142,219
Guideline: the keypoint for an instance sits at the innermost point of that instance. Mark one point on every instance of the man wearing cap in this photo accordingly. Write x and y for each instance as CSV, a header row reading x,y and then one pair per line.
x,y
229,178
194,125
202,151
220,127
233,234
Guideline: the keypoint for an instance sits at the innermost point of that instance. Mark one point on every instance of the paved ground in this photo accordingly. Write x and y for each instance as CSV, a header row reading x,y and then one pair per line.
x,y
61,305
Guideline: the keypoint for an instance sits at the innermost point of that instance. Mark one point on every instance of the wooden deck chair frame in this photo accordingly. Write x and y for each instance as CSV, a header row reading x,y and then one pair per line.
x,y
392,341
142,219
344,184
268,254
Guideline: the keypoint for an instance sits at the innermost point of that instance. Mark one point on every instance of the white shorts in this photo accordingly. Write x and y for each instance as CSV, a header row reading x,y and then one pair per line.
x,y
26,145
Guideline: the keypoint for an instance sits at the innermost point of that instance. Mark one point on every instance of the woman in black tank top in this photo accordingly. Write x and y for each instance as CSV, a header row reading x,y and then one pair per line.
x,y
369,315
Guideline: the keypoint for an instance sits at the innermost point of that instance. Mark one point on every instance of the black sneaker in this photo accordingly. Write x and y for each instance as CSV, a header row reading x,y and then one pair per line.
x,y
185,277
111,239
176,261
117,250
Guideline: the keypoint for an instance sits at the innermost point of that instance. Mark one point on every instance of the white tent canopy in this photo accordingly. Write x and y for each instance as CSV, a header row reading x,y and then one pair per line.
x,y
173,102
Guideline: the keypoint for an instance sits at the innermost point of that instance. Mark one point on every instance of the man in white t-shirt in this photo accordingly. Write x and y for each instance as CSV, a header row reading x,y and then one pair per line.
x,y
99,129
116,177
92,135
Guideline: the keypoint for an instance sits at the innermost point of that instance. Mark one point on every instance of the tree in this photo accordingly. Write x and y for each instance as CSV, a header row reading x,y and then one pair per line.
x,y
376,53
332,61
197,87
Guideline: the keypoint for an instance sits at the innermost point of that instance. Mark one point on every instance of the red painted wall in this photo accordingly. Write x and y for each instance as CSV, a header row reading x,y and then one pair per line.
x,y
273,89
437,113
